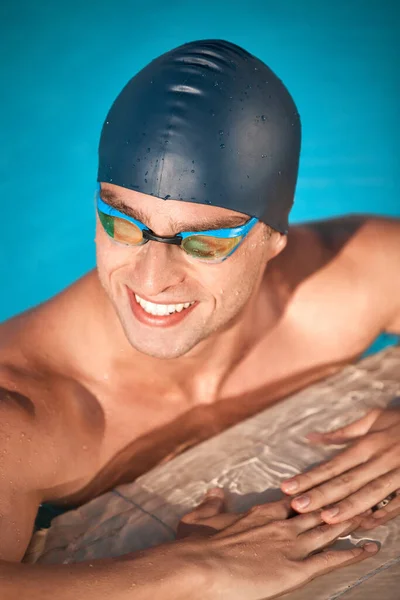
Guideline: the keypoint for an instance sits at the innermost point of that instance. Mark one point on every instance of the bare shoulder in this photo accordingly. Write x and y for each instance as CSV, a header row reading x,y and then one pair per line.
x,y
364,249
49,335
377,248
43,405
356,232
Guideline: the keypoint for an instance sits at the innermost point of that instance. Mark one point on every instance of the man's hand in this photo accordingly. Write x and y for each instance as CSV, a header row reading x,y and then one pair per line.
x,y
262,553
357,479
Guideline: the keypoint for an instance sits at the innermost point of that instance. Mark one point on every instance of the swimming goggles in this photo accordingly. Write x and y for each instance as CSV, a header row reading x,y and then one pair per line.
x,y
212,246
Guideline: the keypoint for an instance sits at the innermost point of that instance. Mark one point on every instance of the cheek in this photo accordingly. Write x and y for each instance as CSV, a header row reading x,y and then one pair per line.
x,y
109,256
103,255
232,281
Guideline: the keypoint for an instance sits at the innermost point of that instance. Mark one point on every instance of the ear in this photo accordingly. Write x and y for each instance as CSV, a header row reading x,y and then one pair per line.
x,y
278,243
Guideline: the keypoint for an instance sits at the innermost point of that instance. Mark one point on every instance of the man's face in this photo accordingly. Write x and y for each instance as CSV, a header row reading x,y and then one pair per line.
x,y
164,274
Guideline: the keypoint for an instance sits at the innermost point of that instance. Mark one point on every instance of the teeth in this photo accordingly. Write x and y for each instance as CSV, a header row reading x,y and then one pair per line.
x,y
161,310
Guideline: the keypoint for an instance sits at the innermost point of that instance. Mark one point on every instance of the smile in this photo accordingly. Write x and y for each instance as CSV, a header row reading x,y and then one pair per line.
x,y
161,310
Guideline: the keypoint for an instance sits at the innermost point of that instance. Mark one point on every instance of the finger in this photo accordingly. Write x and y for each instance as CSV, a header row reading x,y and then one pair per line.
x,y
367,497
346,460
348,432
347,483
272,511
383,515
386,419
321,536
329,560
212,505
205,527
281,509
259,516
303,523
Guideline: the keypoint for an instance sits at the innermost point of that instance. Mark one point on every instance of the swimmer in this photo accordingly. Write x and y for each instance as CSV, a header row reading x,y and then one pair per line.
x,y
204,309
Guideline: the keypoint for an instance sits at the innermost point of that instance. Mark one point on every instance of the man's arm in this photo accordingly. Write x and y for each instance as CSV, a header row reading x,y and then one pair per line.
x,y
163,572
24,467
27,467
255,555
278,552
366,473
223,565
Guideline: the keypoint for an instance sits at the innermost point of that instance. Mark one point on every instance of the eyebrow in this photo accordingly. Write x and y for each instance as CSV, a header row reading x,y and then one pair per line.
x,y
116,202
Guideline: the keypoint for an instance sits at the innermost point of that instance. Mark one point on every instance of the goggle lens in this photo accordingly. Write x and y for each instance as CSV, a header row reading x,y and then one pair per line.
x,y
206,247
121,230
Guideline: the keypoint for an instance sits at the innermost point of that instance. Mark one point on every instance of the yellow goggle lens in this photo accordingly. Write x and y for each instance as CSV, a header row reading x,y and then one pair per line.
x,y
210,248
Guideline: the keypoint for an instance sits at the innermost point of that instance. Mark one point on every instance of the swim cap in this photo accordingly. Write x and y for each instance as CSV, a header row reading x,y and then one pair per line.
x,y
209,123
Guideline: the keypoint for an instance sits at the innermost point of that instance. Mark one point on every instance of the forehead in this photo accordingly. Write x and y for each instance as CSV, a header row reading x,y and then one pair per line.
x,y
180,214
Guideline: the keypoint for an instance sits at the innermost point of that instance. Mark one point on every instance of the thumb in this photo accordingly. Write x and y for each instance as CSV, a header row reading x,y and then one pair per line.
x,y
213,504
348,432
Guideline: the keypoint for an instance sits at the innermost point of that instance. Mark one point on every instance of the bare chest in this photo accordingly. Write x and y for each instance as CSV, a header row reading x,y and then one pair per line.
x,y
145,429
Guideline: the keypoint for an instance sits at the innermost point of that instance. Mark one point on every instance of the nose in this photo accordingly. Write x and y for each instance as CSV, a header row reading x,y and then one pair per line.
x,y
157,268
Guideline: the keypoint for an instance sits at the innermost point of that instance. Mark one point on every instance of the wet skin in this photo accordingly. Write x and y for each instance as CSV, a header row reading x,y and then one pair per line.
x,y
83,410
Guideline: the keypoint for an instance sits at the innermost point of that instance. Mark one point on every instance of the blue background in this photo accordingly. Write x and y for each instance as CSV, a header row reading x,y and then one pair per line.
x,y
63,64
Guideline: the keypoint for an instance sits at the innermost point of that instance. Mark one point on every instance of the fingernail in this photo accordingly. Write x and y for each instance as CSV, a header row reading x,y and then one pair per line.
x,y
330,513
302,501
290,486
371,547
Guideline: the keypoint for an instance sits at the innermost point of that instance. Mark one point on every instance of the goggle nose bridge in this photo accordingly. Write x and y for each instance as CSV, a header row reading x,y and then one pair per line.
x,y
149,235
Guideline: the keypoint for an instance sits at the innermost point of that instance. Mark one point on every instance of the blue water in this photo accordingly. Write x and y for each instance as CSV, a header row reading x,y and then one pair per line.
x,y
63,63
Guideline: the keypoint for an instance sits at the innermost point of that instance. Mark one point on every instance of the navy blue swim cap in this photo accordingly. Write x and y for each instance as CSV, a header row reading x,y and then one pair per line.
x,y
209,123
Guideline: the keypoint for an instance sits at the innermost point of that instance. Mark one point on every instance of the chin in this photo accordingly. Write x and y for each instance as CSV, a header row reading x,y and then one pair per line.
x,y
161,349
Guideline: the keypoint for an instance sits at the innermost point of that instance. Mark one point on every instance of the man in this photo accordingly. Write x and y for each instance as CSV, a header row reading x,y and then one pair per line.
x,y
202,312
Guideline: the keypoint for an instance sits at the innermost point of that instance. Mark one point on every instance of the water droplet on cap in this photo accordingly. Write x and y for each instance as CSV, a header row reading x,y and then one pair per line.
x,y
222,145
